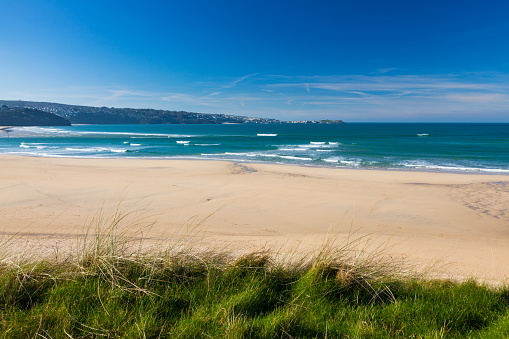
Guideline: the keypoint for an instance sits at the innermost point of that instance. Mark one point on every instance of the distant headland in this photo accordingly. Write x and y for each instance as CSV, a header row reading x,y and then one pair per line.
x,y
74,114
21,116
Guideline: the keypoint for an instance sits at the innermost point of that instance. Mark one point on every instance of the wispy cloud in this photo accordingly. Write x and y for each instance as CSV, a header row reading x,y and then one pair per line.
x,y
479,98
376,97
127,93
386,70
235,82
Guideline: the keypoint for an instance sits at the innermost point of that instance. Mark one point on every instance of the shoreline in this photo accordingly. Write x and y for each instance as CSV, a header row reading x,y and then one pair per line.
x,y
420,216
269,152
241,161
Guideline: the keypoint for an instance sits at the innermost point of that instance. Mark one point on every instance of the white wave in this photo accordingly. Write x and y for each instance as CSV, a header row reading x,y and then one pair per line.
x,y
135,134
126,142
33,146
37,154
225,153
37,145
160,137
317,142
266,155
52,131
207,144
325,150
43,130
316,145
243,155
292,149
183,142
343,161
135,144
86,149
334,143
95,149
289,157
304,147
355,163
266,135
422,134
493,170
234,153
451,167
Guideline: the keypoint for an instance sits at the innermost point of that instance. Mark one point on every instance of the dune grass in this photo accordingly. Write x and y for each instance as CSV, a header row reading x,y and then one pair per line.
x,y
108,287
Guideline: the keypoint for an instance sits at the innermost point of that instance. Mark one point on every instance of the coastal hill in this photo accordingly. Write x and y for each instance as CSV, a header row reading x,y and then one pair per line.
x,y
111,115
29,117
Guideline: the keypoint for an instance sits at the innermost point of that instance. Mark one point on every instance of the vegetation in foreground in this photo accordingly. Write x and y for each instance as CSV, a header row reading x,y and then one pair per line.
x,y
104,289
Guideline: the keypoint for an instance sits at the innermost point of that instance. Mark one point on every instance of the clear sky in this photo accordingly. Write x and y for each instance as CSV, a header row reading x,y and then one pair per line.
x,y
363,60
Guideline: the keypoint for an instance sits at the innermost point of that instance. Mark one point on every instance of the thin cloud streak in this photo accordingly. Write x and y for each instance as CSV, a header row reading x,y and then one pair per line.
x,y
440,97
235,82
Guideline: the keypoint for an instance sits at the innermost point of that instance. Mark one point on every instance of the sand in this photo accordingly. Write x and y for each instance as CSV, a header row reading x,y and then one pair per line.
x,y
460,221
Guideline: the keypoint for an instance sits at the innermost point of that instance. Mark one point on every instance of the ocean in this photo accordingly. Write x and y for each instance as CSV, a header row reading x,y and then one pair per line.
x,y
453,147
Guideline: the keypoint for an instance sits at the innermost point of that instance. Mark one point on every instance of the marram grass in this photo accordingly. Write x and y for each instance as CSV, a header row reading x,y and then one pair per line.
x,y
105,289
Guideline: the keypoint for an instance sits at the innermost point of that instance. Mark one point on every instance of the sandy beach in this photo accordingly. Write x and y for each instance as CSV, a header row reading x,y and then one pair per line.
x,y
460,220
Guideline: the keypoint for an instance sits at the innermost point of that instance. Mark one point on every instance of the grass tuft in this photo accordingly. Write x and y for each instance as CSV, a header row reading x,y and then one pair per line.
x,y
112,284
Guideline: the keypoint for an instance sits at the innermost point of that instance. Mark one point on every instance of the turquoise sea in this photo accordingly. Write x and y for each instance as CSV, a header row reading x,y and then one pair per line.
x,y
472,148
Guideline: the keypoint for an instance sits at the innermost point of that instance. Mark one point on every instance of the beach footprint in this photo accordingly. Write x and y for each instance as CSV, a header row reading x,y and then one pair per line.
x,y
488,198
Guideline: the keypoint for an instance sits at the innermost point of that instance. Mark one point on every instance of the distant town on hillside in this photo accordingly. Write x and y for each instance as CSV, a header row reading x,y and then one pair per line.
x,y
111,115
20,116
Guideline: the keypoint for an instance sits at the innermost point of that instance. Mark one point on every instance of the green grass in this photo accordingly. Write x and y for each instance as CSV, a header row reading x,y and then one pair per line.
x,y
105,290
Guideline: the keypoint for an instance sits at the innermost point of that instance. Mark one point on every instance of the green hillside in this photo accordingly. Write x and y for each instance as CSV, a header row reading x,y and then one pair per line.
x,y
29,117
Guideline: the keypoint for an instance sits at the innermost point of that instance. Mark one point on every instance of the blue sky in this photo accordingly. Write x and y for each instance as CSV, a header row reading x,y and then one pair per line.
x,y
413,60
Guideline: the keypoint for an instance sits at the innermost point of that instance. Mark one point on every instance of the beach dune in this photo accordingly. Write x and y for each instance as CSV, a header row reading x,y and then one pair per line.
x,y
459,219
